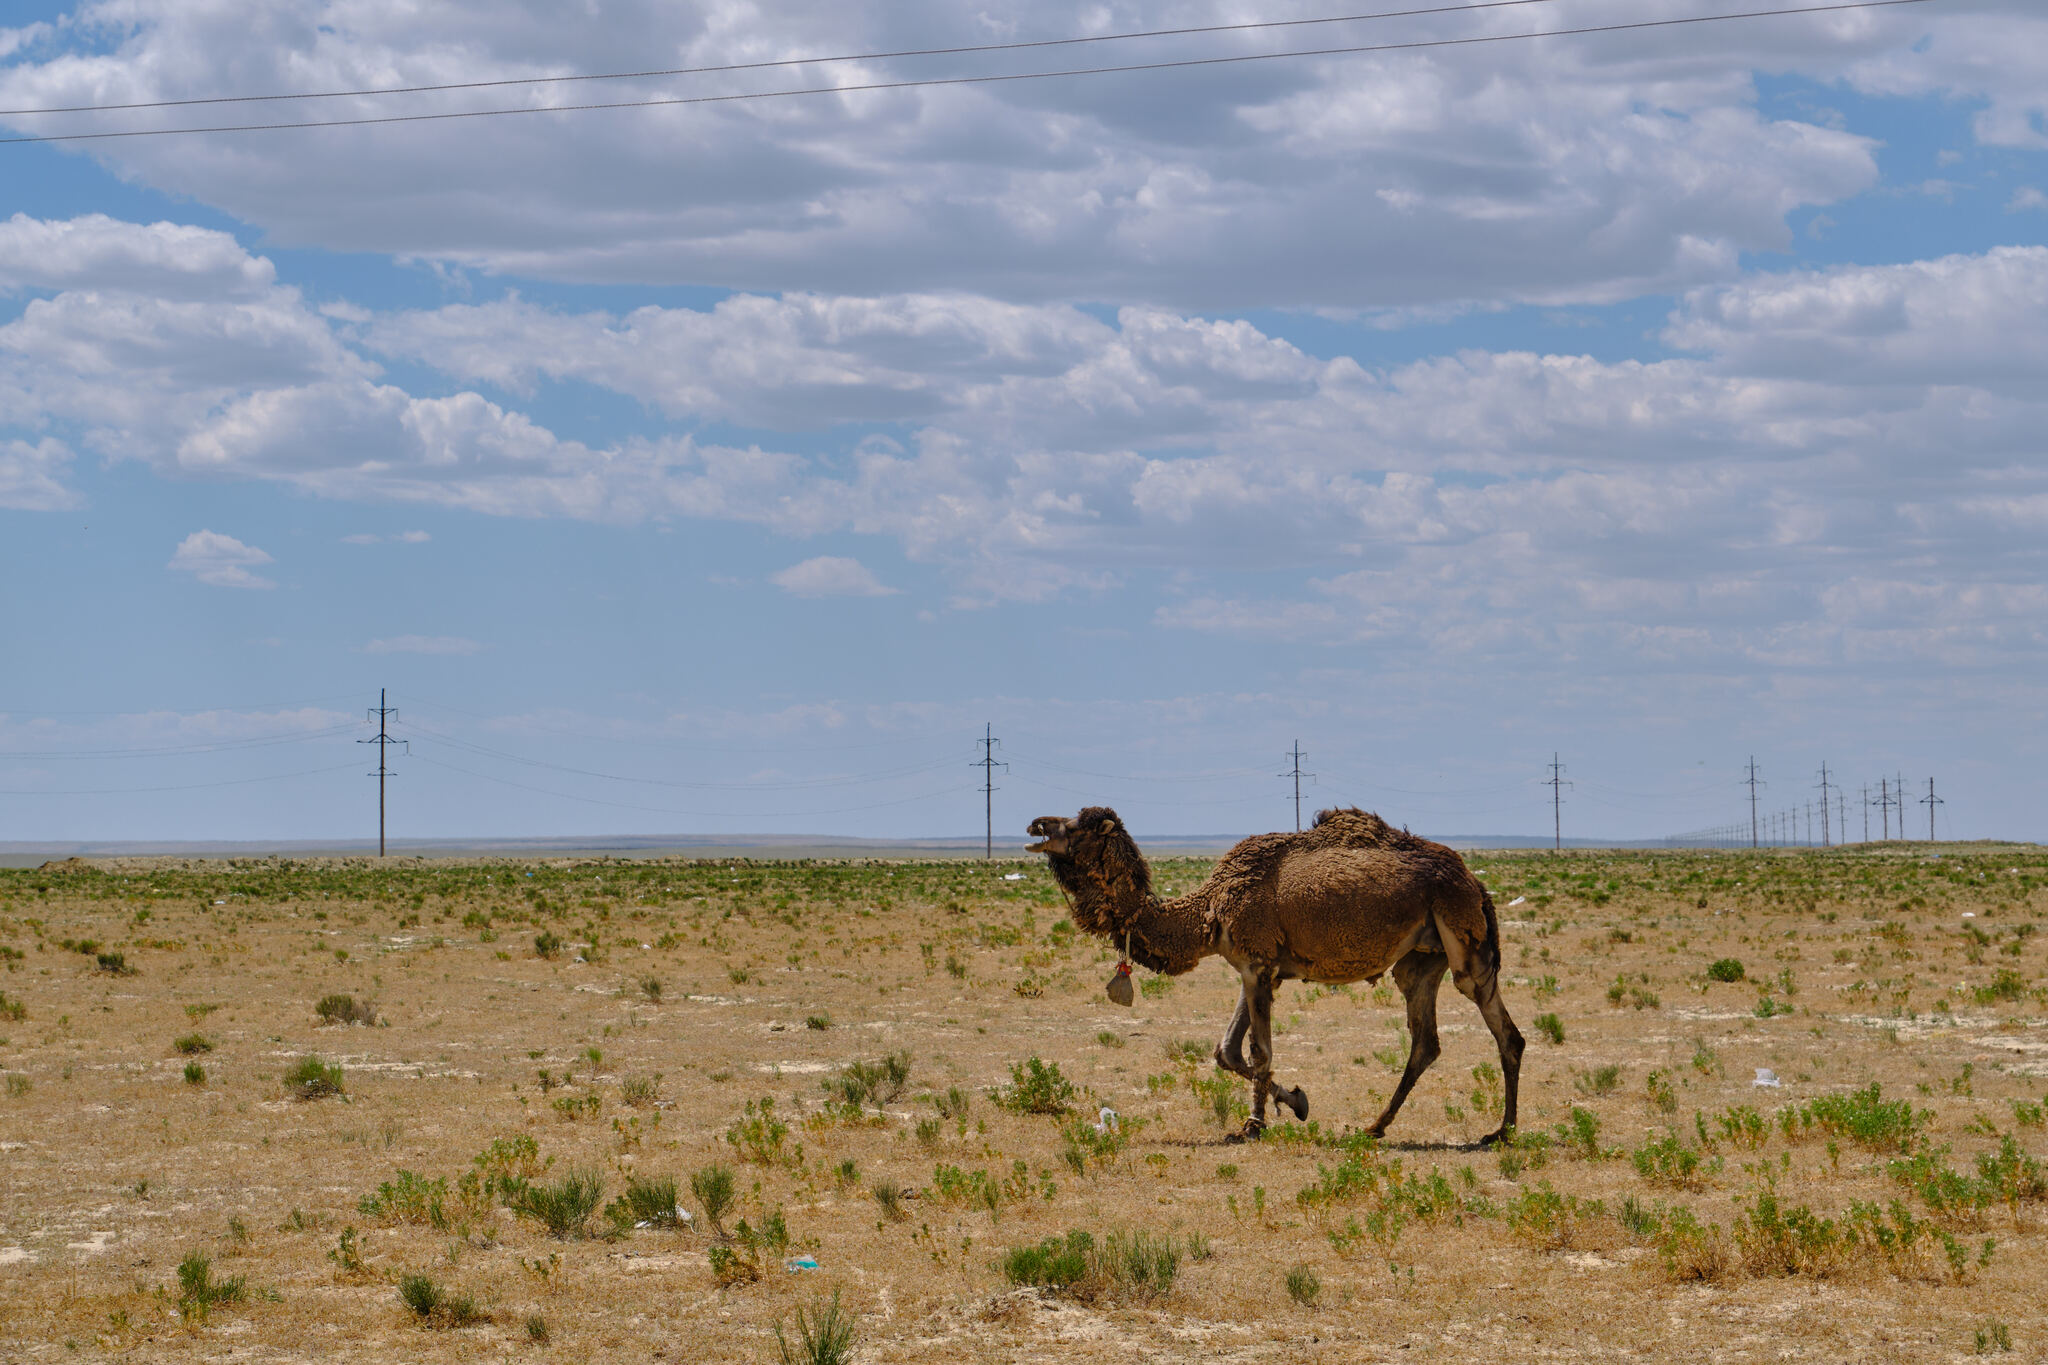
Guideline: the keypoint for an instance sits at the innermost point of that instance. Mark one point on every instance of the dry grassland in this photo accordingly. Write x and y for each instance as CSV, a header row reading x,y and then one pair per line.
x,y
1658,1206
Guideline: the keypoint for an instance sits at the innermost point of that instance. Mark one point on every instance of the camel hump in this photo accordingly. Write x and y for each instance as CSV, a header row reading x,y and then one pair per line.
x,y
1349,824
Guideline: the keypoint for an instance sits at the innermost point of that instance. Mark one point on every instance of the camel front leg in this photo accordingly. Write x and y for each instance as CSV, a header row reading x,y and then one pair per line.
x,y
1259,1001
1230,1052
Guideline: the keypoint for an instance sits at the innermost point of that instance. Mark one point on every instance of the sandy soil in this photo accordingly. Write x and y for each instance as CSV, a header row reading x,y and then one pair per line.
x,y
684,992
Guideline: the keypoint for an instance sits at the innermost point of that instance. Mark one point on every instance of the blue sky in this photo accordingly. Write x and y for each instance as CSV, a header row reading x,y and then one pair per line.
x,y
1655,398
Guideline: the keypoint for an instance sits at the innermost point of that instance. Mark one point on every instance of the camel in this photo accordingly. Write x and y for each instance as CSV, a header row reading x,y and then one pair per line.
x,y
1349,899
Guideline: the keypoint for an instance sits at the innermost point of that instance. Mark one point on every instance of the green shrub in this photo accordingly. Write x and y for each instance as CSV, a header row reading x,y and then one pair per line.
x,y
195,1074
1866,1119
114,964
192,1044
13,1011
1725,969
1551,1027
199,1292
823,1337
759,1136
871,1083
435,1306
345,1009
547,944
646,1202
564,1206
1667,1161
1037,1087
1303,1286
713,1186
1601,1080
640,1091
409,1198
310,1078
1133,1265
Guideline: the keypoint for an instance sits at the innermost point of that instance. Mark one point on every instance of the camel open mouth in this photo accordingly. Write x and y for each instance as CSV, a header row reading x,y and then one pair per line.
x,y
1048,828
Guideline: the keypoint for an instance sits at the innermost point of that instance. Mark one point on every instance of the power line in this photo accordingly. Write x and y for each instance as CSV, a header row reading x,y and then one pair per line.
x,y
1297,774
183,750
185,787
383,740
730,67
669,810
1931,801
1556,783
1187,63
988,763
1752,782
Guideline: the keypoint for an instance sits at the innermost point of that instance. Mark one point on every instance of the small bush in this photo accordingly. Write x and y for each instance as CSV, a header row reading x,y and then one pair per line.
x,y
409,1198
13,1011
818,1022
1725,969
192,1044
537,1329
640,1091
1303,1286
435,1306
1993,1337
824,1336
647,1202
713,1186
199,1292
1601,1080
1551,1027
564,1206
1037,1087
889,1199
345,1009
1133,1265
195,1074
310,1078
650,986
871,1083
547,944
114,964
1867,1119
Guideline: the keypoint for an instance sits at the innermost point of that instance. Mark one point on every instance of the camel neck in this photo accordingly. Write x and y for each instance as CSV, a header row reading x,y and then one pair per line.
x,y
1162,936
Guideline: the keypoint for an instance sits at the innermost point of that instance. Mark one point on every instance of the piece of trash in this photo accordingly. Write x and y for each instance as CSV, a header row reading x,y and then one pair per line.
x,y
1766,1079
646,947
1013,876
1969,914
802,1263
1107,1122
1517,901
684,1216
220,902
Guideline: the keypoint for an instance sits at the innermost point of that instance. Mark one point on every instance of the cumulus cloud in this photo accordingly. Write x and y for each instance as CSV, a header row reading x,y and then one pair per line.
x,y
169,260
1548,170
31,476
221,561
446,645
830,576
2026,197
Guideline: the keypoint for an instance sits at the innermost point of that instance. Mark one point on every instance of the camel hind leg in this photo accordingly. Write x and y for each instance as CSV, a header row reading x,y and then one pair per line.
x,y
1418,975
1477,977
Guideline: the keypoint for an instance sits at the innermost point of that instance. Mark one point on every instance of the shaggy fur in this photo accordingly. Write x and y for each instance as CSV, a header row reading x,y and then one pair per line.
x,y
1348,899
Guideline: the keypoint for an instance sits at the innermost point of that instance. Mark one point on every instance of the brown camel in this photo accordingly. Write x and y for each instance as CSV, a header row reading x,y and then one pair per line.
x,y
1347,900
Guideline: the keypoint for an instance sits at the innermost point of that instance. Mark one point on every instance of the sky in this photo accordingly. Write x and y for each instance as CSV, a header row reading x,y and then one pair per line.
x,y
1646,401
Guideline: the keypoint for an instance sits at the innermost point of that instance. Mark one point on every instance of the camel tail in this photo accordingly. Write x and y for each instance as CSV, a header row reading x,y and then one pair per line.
x,y
1491,951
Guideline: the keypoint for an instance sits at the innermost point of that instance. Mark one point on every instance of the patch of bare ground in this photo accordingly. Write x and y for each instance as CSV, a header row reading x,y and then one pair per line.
x,y
198,1162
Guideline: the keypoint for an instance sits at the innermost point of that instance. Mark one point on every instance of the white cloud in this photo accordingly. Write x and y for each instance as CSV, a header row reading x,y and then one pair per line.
x,y
830,576
31,476
1552,170
169,260
398,538
2026,197
412,537
449,645
219,560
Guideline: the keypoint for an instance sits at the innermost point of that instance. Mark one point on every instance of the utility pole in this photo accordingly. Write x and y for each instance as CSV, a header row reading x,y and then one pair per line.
x,y
1752,800
1297,774
988,763
1865,789
1556,783
1884,805
1827,838
382,714
1931,801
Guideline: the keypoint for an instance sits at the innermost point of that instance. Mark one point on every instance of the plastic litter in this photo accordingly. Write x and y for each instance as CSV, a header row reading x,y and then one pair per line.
x,y
1969,914
1013,876
801,1263
1517,901
1766,1079
1107,1122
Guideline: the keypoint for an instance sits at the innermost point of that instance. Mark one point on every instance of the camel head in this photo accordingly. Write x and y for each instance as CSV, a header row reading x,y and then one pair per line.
x,y
1095,846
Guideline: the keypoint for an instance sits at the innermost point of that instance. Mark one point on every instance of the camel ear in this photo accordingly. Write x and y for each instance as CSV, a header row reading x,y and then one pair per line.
x,y
1110,825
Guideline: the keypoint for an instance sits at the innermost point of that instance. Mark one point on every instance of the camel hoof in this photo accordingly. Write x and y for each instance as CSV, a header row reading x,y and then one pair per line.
x,y
1249,1133
1297,1101
1497,1137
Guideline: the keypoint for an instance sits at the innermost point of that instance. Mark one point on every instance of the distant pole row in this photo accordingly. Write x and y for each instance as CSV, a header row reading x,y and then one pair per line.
x,y
1795,825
